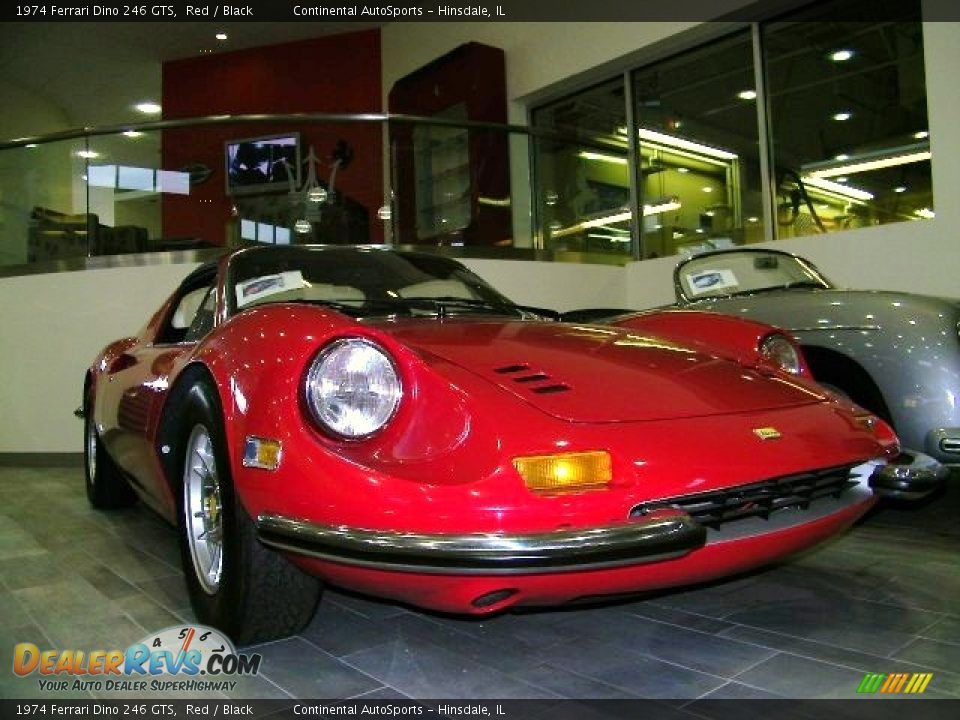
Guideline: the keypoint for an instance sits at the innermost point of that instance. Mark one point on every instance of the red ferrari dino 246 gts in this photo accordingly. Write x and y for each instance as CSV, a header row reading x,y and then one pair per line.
x,y
387,422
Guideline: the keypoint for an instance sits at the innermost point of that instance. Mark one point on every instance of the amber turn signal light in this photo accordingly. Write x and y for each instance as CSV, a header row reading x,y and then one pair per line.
x,y
565,471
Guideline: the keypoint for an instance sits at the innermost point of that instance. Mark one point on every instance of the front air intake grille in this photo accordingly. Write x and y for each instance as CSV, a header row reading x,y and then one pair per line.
x,y
713,509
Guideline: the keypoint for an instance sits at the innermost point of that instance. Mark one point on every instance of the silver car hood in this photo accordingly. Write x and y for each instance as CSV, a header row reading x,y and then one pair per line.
x,y
806,310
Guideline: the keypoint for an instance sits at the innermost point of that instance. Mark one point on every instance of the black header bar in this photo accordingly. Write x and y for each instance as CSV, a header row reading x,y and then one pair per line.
x,y
383,11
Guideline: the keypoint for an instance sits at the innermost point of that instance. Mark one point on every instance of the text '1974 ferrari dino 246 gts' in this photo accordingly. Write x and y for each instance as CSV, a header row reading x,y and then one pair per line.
x,y
387,422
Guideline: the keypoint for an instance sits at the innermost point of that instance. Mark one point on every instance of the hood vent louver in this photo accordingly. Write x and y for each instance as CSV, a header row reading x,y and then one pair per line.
x,y
529,377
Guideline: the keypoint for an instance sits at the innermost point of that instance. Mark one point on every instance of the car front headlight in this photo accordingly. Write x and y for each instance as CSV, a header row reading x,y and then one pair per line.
x,y
781,352
353,388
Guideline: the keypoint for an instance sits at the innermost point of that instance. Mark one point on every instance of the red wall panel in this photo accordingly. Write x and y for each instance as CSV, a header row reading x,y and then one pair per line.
x,y
333,74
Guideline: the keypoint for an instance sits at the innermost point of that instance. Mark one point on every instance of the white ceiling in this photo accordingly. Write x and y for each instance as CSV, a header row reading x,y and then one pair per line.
x,y
95,72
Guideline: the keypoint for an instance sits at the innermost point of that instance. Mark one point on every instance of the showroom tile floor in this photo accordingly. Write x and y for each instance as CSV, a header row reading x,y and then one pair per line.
x,y
883,598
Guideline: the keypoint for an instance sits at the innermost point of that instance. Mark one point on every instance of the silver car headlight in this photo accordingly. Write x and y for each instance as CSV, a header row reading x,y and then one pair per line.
x,y
353,388
781,352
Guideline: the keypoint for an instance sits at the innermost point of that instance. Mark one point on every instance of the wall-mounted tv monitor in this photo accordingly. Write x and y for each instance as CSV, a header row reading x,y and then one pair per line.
x,y
262,164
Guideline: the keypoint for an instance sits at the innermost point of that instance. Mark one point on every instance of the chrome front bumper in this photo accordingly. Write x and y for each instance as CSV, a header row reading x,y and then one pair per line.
x,y
662,536
910,476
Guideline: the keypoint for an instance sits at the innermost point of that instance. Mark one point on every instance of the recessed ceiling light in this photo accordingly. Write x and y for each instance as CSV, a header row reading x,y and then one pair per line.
x,y
88,154
900,189
842,116
221,36
841,156
30,145
922,135
747,94
708,189
148,108
841,55
753,219
683,170
132,133
842,178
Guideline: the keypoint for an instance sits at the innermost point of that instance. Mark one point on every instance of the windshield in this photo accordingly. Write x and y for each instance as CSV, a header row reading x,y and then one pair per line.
x,y
747,271
362,282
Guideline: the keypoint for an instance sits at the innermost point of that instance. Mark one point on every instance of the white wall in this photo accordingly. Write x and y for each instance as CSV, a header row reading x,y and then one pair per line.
x,y
51,329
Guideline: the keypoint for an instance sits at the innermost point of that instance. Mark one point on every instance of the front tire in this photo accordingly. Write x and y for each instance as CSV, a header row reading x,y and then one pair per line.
x,y
106,487
235,583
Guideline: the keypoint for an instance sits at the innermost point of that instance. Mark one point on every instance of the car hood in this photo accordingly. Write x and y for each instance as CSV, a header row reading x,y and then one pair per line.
x,y
800,310
599,374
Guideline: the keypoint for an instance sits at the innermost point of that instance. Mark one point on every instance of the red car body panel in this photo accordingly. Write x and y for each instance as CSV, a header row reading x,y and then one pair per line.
x,y
675,416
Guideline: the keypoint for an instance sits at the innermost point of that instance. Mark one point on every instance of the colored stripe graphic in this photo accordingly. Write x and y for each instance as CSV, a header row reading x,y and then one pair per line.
x,y
871,682
894,683
918,683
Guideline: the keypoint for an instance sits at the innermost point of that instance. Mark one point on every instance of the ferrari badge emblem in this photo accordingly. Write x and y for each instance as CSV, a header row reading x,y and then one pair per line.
x,y
767,433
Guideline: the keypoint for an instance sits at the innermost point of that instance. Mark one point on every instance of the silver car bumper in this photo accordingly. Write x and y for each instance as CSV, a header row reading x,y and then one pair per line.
x,y
668,535
910,476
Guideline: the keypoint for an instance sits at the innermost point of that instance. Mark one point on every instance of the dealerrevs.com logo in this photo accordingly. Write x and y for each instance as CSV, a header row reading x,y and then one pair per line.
x,y
179,658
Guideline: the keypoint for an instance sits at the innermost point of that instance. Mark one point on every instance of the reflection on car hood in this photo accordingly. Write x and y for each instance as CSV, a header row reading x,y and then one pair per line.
x,y
599,374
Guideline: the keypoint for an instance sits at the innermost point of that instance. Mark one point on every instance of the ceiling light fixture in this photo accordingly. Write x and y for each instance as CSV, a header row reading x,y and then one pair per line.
x,y
132,133
844,191
867,163
221,36
587,155
842,116
900,189
148,107
841,55
921,135
841,156
671,141
747,94
87,154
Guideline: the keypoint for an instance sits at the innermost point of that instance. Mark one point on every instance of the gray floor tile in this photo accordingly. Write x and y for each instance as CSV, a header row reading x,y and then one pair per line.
x,y
303,671
632,671
931,654
421,669
797,677
698,651
946,630
673,616
12,613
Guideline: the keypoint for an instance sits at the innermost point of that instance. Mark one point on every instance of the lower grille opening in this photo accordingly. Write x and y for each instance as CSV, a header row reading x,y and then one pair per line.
x,y
715,508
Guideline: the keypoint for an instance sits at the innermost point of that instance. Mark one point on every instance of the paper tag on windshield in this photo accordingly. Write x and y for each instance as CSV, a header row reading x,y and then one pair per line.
x,y
706,281
256,288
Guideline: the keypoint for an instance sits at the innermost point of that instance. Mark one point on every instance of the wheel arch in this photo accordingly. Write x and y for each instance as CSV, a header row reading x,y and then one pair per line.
x,y
836,368
169,435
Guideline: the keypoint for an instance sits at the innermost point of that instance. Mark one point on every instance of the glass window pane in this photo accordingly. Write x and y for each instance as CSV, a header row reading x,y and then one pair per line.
x,y
583,178
848,113
699,160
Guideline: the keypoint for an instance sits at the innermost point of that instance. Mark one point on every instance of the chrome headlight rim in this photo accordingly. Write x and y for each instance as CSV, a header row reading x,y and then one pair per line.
x,y
314,374
782,352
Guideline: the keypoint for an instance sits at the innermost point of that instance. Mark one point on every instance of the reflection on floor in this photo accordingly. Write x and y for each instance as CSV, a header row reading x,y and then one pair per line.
x,y
882,599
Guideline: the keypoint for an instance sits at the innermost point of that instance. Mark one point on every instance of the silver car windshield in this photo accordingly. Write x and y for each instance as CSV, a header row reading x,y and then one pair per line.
x,y
743,272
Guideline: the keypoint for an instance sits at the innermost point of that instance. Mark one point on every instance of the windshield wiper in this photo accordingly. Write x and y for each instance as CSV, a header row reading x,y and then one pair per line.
x,y
443,306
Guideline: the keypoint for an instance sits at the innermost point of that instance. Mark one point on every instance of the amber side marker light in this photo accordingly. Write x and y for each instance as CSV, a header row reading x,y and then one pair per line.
x,y
565,471
263,453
